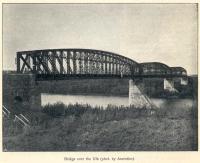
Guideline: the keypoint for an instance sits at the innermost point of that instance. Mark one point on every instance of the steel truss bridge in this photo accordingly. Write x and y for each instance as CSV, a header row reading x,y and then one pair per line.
x,y
55,64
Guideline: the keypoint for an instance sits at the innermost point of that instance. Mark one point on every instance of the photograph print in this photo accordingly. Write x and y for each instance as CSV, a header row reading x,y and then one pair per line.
x,y
99,77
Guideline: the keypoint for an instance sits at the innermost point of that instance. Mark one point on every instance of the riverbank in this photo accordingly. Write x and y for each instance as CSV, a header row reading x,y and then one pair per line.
x,y
85,128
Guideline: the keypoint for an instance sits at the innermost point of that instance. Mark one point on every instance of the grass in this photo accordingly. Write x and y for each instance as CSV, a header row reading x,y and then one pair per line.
x,y
84,128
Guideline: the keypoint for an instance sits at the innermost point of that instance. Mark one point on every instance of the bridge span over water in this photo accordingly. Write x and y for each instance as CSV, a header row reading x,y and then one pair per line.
x,y
58,64
63,64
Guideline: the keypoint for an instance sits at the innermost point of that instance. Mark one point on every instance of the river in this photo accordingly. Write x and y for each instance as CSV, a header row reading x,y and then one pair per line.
x,y
96,100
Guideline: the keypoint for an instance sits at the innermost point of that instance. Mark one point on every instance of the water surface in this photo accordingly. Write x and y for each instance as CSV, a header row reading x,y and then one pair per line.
x,y
111,100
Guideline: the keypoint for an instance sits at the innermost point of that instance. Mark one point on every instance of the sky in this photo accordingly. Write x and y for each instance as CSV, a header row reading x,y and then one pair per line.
x,y
164,33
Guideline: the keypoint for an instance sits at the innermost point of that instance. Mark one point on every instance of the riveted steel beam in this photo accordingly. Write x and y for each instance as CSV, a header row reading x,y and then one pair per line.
x,y
88,62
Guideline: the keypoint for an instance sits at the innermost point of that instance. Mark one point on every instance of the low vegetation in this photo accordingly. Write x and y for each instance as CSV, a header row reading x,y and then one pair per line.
x,y
84,128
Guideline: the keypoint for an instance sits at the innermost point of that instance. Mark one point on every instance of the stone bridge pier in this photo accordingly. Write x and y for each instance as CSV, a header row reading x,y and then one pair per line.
x,y
169,85
21,91
138,99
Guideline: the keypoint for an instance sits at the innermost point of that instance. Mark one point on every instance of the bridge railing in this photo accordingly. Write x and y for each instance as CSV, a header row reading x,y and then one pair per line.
x,y
22,120
18,118
6,112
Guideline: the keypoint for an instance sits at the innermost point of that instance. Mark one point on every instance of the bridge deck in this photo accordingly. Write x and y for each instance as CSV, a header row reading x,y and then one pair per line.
x,y
43,77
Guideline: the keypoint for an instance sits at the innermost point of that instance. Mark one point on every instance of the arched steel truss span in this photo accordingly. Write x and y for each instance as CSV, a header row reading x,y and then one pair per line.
x,y
153,68
88,63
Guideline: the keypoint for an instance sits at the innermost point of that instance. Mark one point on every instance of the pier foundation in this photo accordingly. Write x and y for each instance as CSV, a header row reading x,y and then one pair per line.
x,y
169,85
136,98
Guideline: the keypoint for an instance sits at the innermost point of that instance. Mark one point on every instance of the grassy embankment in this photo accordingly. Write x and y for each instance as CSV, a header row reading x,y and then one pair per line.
x,y
83,128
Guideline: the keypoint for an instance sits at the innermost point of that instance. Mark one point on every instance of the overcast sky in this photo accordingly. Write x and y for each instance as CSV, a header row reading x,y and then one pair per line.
x,y
143,32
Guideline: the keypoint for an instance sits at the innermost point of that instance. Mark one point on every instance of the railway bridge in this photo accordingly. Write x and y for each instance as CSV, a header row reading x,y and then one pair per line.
x,y
66,64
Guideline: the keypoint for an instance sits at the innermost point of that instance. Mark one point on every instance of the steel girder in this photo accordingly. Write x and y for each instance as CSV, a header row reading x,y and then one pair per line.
x,y
88,62
75,61
155,68
178,70
161,69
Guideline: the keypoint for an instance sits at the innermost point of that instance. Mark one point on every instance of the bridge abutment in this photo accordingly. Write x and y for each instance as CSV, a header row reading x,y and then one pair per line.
x,y
20,91
136,98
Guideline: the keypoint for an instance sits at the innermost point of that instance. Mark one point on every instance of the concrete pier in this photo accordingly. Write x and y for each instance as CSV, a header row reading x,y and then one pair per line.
x,y
184,81
136,98
169,85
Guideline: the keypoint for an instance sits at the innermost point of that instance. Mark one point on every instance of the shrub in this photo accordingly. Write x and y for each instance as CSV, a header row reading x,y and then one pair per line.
x,y
54,110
